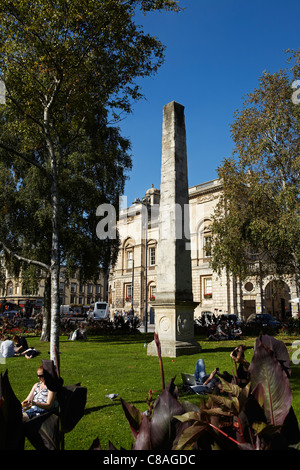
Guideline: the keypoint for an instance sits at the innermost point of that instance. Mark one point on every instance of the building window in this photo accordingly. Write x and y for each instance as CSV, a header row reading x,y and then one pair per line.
x,y
249,286
61,286
207,287
129,259
152,293
73,286
128,292
204,240
90,288
152,256
98,289
80,300
10,288
207,245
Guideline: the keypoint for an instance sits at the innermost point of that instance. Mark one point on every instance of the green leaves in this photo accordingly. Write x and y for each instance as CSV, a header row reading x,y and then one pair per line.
x,y
68,67
257,219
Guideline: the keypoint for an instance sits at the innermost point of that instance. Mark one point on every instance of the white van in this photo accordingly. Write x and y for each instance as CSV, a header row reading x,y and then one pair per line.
x,y
66,311
98,311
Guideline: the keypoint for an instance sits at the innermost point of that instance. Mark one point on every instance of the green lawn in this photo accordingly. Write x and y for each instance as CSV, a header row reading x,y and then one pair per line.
x,y
120,365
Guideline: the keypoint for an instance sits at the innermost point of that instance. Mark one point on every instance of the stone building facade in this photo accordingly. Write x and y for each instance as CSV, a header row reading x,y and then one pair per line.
x,y
135,271
71,291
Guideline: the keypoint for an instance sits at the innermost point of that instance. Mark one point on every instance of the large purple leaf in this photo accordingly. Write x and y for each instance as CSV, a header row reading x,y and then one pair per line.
x,y
11,429
267,371
52,379
72,401
134,417
43,431
143,439
190,435
163,425
279,350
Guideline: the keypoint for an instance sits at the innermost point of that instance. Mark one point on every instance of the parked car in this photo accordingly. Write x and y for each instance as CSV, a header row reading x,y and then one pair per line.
x,y
263,319
206,319
230,318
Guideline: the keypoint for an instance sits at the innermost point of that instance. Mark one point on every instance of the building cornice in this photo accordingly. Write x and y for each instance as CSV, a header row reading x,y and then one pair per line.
x,y
210,187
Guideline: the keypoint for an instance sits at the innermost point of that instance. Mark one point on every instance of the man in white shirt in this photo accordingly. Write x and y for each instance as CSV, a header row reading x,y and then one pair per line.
x,y
7,348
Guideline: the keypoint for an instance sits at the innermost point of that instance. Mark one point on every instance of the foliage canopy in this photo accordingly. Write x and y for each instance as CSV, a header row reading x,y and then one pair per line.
x,y
256,224
69,69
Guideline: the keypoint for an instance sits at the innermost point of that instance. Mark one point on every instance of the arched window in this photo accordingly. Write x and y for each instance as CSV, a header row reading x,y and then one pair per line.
x,y
204,239
10,288
128,254
152,291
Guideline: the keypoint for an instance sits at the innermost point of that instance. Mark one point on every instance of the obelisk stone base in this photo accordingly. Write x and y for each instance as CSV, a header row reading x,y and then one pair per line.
x,y
174,324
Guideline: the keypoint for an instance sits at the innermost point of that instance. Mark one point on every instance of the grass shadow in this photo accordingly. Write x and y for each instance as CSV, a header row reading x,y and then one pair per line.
x,y
217,349
120,338
94,409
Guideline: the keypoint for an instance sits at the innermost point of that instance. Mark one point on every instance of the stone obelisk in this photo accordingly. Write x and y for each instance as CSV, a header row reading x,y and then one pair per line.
x,y
174,306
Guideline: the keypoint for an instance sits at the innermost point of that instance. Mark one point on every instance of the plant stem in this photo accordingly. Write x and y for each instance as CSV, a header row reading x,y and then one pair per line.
x,y
224,434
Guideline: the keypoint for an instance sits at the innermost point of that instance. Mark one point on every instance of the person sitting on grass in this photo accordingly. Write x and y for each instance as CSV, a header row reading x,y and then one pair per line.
x,y
208,383
7,348
236,331
20,344
242,374
40,399
79,333
221,333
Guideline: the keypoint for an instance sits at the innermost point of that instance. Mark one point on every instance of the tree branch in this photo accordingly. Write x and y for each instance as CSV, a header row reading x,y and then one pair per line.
x,y
25,157
26,260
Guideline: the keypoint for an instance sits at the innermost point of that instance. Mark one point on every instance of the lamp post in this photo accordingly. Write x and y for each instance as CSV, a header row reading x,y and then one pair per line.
x,y
132,286
145,202
146,266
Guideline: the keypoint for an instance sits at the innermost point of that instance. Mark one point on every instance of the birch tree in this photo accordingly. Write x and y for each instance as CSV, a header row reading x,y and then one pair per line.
x,y
69,67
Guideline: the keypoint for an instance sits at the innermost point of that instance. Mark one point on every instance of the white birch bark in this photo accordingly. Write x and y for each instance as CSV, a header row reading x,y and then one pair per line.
x,y
55,259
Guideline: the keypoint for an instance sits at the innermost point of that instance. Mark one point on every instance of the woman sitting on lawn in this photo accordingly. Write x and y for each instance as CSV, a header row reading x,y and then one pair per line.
x,y
40,400
242,373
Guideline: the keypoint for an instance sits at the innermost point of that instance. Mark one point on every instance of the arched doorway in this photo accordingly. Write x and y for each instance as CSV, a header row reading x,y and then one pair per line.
x,y
277,296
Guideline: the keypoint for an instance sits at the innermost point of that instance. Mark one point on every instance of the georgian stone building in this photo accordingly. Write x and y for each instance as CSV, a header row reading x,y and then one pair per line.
x,y
134,274
71,291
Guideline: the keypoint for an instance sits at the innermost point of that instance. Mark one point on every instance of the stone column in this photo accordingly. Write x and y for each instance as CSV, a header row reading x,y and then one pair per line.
x,y
174,306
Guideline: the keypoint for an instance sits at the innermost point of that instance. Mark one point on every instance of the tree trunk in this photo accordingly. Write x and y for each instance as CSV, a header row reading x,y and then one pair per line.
x,y
45,335
54,269
55,256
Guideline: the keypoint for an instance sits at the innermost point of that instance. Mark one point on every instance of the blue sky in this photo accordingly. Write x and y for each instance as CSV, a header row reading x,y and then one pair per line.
x,y
216,52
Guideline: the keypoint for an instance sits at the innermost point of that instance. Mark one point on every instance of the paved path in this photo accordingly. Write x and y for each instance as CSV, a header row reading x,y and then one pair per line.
x,y
150,328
